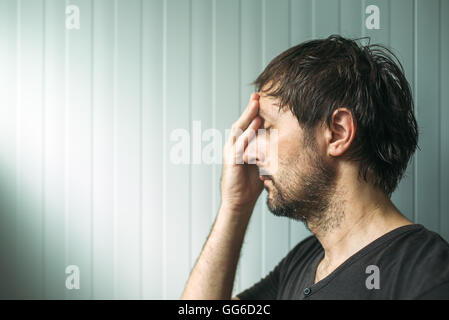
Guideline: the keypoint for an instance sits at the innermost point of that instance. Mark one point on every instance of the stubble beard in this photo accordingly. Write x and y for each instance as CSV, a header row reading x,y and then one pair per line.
x,y
309,194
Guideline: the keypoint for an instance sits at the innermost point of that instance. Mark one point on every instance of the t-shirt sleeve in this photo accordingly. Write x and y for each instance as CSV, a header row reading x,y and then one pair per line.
x,y
266,289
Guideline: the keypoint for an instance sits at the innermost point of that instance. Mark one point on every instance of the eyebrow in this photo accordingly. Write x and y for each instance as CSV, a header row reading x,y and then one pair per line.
x,y
269,115
264,115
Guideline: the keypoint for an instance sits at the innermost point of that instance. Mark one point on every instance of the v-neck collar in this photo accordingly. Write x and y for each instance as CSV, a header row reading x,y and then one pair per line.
x,y
311,272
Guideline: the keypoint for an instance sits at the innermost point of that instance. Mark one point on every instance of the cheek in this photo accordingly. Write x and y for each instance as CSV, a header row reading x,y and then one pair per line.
x,y
289,149
289,139
279,153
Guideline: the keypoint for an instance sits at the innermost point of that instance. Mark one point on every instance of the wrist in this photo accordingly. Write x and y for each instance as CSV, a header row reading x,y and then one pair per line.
x,y
240,210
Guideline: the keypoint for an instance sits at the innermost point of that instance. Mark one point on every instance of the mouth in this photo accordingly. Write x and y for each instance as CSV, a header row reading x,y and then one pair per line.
x,y
264,178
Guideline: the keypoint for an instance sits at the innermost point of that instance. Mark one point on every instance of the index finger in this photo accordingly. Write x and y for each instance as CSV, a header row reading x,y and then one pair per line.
x,y
248,114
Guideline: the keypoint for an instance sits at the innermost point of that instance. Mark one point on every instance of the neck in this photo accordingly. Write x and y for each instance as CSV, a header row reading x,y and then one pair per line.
x,y
354,219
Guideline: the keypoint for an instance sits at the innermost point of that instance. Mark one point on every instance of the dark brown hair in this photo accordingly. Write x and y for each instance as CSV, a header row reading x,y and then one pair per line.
x,y
317,77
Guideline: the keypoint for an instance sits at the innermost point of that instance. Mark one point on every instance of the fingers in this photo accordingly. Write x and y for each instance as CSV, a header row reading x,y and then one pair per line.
x,y
243,130
245,138
247,116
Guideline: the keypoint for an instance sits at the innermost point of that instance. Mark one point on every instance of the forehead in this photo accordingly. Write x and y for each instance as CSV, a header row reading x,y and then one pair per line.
x,y
269,107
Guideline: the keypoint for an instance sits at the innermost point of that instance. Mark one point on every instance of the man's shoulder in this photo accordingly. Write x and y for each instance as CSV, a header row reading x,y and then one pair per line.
x,y
423,244
419,247
418,242
420,260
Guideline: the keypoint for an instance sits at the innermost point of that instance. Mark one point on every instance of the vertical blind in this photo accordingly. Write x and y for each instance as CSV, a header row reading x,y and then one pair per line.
x,y
87,119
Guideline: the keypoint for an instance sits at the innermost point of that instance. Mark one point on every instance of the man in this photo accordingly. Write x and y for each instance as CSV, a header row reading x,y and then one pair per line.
x,y
345,132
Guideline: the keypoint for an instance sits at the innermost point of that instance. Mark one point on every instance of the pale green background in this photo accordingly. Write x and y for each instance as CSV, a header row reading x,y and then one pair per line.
x,y
86,115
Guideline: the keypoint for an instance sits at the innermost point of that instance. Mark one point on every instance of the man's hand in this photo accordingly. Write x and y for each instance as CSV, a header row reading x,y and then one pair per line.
x,y
240,183
214,272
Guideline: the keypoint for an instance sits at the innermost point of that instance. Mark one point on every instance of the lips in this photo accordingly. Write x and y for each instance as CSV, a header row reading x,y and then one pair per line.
x,y
263,178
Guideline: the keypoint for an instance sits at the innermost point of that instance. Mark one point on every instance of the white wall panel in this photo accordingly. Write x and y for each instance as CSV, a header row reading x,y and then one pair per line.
x,y
87,117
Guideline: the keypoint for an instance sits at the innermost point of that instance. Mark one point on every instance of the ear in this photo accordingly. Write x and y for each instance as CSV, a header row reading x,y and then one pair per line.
x,y
341,132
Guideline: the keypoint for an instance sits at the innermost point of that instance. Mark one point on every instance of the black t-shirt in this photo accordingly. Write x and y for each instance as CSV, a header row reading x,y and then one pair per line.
x,y
409,262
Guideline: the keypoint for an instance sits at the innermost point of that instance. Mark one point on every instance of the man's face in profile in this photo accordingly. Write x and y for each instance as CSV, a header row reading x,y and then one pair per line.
x,y
304,183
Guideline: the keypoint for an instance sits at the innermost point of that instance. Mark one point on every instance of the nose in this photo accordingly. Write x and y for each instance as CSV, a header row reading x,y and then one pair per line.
x,y
262,150
256,151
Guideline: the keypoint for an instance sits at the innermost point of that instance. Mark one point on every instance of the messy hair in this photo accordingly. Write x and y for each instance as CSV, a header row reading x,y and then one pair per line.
x,y
316,77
